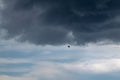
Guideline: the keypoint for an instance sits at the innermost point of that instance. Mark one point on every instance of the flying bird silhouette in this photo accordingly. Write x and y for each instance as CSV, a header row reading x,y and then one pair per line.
x,y
68,46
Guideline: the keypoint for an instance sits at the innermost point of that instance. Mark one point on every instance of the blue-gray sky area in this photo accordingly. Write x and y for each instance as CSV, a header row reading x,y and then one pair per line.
x,y
35,34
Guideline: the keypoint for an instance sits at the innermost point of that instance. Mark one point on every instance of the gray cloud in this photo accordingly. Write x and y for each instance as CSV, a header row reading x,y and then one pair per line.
x,y
51,21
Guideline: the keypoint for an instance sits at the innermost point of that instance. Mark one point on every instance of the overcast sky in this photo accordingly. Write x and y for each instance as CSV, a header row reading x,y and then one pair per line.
x,y
34,35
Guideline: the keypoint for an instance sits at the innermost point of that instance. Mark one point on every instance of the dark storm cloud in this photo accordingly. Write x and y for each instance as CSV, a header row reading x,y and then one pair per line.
x,y
62,21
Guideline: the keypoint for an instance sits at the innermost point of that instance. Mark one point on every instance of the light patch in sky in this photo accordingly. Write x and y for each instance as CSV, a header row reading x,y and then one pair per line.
x,y
58,62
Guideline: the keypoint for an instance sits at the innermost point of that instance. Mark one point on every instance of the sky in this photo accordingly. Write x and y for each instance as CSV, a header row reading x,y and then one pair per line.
x,y
35,34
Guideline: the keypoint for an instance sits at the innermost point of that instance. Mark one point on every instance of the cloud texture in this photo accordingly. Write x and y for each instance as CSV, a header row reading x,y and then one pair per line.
x,y
58,22
24,61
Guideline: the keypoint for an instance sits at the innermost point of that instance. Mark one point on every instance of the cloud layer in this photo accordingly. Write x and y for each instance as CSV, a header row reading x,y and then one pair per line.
x,y
58,22
24,61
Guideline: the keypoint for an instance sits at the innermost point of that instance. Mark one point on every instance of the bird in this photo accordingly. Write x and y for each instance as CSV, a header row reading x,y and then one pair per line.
x,y
68,46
